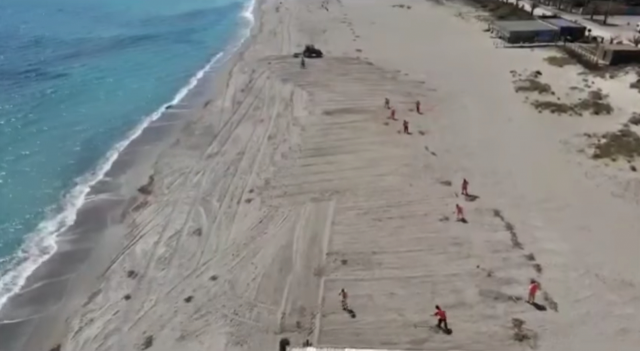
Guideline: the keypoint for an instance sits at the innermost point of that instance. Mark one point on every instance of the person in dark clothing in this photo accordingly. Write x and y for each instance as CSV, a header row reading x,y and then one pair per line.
x,y
343,298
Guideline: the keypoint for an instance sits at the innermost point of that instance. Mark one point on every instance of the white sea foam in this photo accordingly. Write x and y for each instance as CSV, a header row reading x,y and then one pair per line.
x,y
248,13
41,244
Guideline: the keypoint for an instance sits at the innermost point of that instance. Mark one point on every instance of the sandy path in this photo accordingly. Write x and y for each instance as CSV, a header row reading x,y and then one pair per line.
x,y
294,185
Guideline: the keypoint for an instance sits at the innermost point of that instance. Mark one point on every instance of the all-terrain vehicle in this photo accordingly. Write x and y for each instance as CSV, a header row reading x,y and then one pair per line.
x,y
309,51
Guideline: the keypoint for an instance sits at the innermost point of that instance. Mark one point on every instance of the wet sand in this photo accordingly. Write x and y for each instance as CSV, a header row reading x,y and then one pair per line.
x,y
293,184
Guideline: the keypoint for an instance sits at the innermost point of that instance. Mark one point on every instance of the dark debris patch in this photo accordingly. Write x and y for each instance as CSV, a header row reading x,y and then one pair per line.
x,y
508,226
522,334
623,143
560,61
147,343
553,305
537,267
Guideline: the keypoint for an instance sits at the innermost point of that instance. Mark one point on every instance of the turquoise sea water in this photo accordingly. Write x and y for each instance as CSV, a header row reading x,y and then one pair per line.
x,y
76,77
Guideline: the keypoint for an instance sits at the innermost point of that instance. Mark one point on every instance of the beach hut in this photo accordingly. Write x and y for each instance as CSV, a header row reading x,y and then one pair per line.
x,y
570,30
526,31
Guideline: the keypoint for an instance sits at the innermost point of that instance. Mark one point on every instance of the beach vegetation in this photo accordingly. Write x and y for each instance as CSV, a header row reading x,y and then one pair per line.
x,y
624,143
531,84
634,119
635,85
555,107
595,103
560,61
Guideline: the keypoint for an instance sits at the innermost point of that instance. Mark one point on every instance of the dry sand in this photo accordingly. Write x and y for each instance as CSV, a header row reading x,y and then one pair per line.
x,y
294,185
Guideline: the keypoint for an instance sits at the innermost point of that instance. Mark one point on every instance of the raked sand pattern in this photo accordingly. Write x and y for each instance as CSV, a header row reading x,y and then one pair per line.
x,y
295,184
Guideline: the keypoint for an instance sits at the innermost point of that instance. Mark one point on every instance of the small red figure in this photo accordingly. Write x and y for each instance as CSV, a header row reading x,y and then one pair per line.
x,y
418,107
386,103
393,114
533,289
442,318
459,213
405,125
465,186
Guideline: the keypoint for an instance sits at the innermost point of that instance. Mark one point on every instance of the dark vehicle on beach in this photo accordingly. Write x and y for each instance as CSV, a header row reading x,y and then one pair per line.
x,y
310,51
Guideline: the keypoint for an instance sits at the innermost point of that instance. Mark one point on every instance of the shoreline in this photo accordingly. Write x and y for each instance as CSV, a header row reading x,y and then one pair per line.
x,y
106,199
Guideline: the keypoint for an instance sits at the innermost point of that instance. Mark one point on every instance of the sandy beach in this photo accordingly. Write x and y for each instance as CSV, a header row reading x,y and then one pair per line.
x,y
279,186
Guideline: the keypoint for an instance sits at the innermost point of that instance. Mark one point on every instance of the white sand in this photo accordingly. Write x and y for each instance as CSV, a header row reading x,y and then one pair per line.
x,y
292,187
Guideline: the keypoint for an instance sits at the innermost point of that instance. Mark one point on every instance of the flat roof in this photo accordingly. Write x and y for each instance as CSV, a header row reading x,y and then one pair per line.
x,y
523,26
562,22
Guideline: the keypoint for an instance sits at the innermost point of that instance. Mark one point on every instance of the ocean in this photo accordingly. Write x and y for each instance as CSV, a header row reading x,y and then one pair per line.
x,y
78,80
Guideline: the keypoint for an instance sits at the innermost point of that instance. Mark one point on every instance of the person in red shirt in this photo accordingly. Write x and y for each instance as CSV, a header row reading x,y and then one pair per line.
x,y
405,126
533,290
465,186
418,107
393,114
442,318
459,213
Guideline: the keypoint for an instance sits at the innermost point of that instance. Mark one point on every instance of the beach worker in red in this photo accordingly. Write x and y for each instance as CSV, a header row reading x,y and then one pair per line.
x,y
442,318
387,103
393,114
405,126
459,213
465,187
418,107
533,290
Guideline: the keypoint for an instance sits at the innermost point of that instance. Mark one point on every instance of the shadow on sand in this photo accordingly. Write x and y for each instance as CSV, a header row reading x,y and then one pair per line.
x,y
471,198
350,312
538,306
437,329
